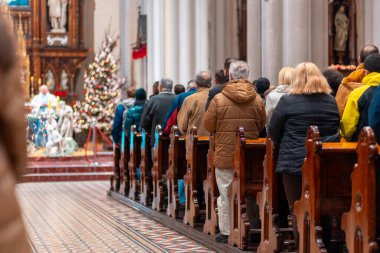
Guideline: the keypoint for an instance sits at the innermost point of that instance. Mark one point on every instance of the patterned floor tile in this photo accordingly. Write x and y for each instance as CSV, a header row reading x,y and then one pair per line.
x,y
80,217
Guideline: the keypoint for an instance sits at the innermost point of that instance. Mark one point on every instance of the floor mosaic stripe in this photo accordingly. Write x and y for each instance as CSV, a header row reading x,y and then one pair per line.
x,y
80,217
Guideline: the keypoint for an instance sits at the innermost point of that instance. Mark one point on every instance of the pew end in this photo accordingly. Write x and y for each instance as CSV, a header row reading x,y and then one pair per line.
x,y
145,169
134,162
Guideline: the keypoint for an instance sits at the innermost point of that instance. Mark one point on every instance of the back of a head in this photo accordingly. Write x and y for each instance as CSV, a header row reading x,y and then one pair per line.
x,y
166,84
131,92
219,77
261,85
227,65
140,94
367,51
203,79
285,76
179,88
372,63
334,79
155,87
308,80
239,70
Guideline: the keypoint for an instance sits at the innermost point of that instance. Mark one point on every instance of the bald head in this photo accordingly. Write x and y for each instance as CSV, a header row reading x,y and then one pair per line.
x,y
367,51
203,79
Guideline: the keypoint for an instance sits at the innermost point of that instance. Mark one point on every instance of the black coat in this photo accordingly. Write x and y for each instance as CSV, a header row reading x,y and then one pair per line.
x,y
155,111
288,127
215,91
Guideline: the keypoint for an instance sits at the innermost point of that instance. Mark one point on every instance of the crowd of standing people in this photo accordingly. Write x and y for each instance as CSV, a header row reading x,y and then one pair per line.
x,y
303,96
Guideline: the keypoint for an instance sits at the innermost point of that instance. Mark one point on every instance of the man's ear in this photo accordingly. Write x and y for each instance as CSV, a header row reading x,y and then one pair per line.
x,y
366,72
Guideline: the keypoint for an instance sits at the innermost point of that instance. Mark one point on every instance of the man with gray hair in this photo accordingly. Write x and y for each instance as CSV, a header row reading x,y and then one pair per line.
x,y
238,105
157,107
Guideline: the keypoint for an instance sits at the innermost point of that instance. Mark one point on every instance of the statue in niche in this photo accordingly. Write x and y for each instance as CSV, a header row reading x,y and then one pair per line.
x,y
64,80
341,22
50,80
58,15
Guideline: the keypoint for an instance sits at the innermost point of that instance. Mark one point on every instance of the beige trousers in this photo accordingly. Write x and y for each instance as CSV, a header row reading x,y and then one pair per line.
x,y
223,180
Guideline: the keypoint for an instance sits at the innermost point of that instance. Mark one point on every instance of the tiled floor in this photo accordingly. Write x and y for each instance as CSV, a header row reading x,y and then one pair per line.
x,y
80,217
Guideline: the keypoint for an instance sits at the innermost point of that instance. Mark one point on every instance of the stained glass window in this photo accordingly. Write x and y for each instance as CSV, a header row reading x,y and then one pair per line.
x,y
18,2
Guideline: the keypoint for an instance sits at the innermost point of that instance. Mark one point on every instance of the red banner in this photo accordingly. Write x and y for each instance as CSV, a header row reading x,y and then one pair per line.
x,y
139,53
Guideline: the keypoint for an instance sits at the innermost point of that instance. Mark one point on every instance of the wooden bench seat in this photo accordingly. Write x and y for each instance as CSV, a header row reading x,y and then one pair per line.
x,y
176,170
361,223
326,191
196,173
211,192
247,181
145,169
160,165
134,162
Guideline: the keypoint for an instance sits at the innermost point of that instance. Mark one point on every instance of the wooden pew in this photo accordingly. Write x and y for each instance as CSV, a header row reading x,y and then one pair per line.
x,y
176,170
211,192
160,165
134,162
247,180
124,171
145,169
271,202
359,223
196,173
326,191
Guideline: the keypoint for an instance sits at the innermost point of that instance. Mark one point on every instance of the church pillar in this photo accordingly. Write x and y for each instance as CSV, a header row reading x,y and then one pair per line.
x,y
201,35
186,41
376,25
297,31
155,42
254,38
272,47
319,34
171,40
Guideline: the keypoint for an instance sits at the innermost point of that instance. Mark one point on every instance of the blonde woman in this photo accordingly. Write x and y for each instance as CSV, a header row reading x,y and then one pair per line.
x,y
309,103
284,80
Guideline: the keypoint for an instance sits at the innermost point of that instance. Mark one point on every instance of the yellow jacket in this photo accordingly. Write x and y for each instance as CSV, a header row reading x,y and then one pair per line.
x,y
351,117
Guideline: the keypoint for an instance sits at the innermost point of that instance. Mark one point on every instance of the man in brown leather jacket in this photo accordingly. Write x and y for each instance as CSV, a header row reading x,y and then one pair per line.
x,y
12,143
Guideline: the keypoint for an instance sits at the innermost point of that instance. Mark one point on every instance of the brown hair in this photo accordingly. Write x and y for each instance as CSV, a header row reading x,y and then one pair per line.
x,y
307,79
131,92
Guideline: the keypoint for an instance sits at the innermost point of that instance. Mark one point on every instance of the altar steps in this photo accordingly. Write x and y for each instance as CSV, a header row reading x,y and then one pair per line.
x,y
75,168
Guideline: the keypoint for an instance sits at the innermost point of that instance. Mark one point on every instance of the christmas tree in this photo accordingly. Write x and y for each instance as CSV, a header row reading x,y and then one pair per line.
x,y
101,88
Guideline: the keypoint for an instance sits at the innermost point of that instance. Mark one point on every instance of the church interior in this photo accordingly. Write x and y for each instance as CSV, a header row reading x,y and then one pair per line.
x,y
99,153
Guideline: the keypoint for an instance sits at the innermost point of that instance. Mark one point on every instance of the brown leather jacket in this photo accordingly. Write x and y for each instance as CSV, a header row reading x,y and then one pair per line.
x,y
237,106
12,155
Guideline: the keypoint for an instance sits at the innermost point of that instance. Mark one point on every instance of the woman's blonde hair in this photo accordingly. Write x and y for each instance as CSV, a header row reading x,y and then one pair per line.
x,y
285,76
307,79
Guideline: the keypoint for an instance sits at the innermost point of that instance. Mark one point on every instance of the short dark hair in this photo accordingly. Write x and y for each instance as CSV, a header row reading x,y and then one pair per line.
x,y
367,51
179,88
155,87
334,78
372,63
227,64
261,85
219,77
203,79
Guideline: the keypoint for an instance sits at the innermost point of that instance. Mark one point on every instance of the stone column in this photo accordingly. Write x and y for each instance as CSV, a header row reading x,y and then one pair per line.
x,y
319,34
202,35
376,25
186,41
272,47
297,31
368,21
254,38
155,42
171,40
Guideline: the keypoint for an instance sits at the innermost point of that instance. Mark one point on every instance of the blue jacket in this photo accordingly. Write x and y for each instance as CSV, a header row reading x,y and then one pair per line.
x,y
118,123
374,114
133,116
177,103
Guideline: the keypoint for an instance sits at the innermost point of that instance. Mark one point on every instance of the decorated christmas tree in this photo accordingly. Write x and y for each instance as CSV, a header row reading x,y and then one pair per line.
x,y
101,88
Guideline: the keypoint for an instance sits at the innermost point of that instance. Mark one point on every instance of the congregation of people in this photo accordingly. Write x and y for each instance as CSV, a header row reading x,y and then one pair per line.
x,y
302,96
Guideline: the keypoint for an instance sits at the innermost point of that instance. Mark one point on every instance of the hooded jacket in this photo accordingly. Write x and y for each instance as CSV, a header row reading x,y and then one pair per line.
x,y
238,105
349,83
374,114
355,115
272,99
133,116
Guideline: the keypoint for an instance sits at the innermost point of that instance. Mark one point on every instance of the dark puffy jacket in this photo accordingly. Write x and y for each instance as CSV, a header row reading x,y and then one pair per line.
x,y
374,114
155,111
133,116
290,121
